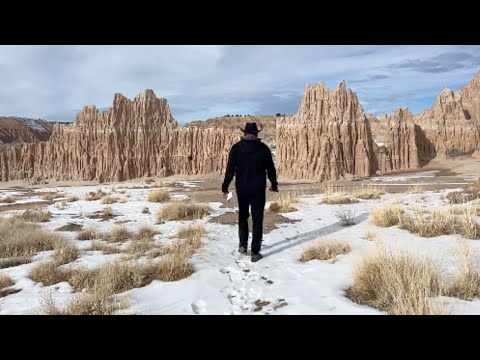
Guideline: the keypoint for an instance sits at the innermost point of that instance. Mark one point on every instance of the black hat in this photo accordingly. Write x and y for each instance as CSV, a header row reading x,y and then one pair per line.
x,y
251,128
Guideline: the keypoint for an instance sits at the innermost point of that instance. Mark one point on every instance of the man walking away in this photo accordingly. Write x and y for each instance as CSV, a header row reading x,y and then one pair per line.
x,y
250,161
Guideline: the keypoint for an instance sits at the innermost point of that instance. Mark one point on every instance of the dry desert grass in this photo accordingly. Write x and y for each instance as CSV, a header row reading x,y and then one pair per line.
x,y
333,195
105,248
284,202
398,283
175,265
142,241
429,223
49,196
95,195
325,250
370,235
415,189
437,223
65,253
72,198
99,285
5,281
158,196
8,200
386,215
368,192
35,215
21,240
15,261
110,199
117,234
107,213
339,199
90,233
183,211
61,205
466,284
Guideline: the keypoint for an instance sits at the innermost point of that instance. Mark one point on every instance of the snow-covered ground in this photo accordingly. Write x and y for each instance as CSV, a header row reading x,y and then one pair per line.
x,y
400,178
229,283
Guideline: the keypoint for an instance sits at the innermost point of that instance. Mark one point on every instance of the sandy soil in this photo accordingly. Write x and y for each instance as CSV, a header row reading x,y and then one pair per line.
x,y
271,220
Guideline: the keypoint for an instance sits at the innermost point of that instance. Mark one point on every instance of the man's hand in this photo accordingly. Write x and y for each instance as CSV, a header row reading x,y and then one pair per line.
x,y
225,195
272,189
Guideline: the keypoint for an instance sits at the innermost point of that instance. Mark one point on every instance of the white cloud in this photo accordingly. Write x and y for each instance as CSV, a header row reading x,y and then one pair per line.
x,y
206,81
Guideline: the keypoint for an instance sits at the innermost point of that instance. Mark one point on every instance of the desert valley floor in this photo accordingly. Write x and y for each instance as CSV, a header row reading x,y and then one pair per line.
x,y
111,235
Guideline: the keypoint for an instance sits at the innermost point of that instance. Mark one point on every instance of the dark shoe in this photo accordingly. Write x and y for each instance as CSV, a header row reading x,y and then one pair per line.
x,y
256,257
242,250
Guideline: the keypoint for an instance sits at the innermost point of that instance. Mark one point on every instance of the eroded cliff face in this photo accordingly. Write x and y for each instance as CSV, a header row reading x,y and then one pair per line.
x,y
399,143
470,95
233,123
134,138
453,123
329,138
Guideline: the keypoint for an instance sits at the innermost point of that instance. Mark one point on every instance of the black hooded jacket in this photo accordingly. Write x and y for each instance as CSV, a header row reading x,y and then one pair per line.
x,y
250,161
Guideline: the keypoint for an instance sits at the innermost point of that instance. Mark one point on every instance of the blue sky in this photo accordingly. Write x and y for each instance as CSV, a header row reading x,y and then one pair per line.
x,y
204,81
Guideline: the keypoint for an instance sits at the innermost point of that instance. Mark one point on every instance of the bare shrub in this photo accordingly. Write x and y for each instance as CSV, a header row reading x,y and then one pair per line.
x,y
370,236
345,216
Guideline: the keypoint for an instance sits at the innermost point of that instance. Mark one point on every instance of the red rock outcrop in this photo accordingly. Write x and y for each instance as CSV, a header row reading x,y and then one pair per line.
x,y
329,138
453,123
134,138
22,130
399,143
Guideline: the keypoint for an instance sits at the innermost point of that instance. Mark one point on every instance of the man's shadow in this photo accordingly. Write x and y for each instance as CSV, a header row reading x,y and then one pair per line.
x,y
308,236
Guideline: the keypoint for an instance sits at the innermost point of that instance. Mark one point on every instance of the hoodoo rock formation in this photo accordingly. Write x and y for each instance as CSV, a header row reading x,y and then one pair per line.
x,y
453,124
134,138
399,143
233,123
329,138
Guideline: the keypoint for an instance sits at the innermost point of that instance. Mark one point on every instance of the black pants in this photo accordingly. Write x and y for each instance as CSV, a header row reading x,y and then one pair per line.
x,y
257,201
